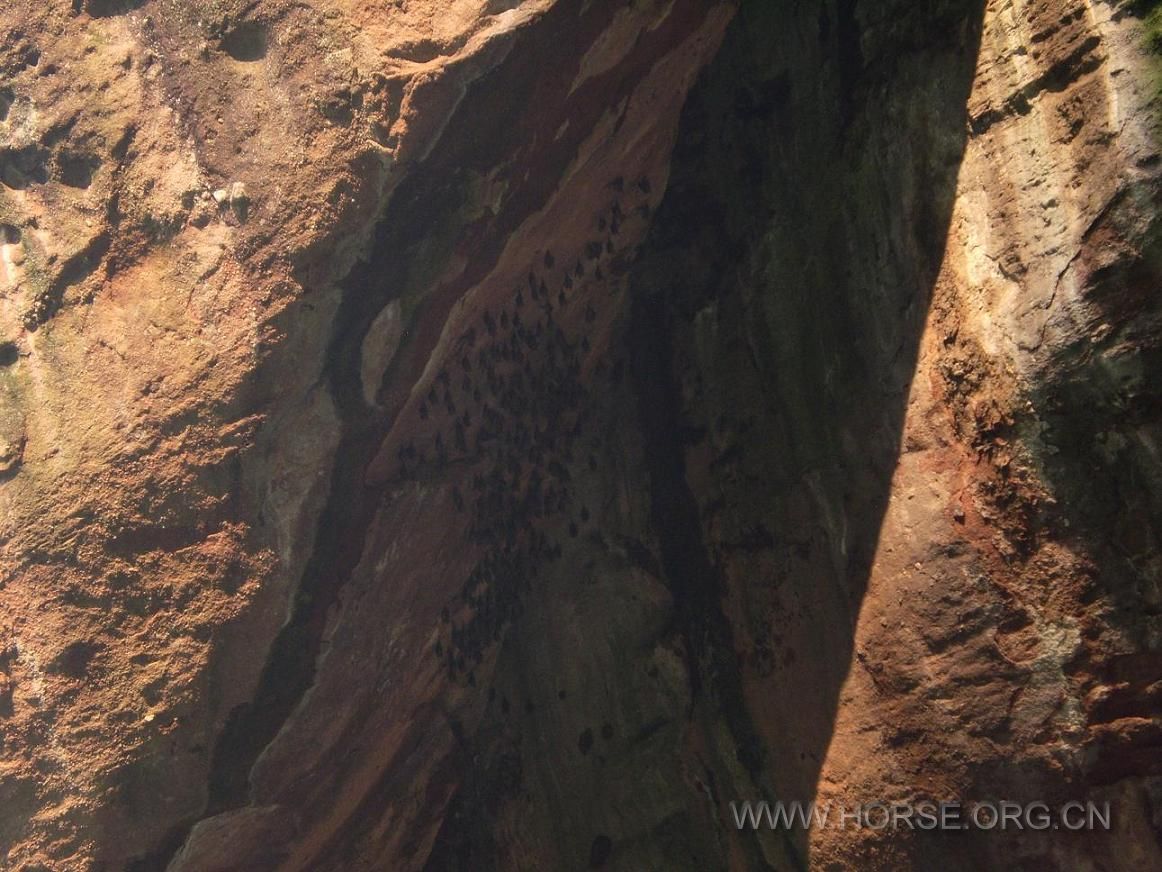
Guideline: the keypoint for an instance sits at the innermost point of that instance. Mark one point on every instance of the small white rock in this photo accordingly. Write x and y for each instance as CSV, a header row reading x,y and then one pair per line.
x,y
238,194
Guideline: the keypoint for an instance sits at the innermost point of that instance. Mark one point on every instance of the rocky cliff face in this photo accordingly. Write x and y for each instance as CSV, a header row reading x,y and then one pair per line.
x,y
498,435
948,478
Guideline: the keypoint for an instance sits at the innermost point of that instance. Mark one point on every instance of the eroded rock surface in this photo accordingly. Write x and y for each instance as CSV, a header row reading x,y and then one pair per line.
x,y
498,435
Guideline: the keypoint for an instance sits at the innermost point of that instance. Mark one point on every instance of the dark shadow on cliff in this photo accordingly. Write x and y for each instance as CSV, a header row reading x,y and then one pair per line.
x,y
777,312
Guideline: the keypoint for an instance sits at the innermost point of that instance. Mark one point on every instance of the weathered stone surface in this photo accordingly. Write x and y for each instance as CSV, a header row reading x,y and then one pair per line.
x,y
498,435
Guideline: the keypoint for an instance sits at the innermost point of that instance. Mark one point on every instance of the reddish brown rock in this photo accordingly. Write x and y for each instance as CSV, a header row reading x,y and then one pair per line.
x,y
501,435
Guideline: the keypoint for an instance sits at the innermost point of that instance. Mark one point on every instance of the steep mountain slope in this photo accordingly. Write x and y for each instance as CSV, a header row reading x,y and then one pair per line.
x,y
497,435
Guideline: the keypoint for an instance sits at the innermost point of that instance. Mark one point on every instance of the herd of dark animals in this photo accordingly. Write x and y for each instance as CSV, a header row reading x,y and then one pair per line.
x,y
513,406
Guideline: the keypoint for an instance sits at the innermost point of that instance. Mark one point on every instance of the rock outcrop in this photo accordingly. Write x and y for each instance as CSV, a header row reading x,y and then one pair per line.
x,y
499,435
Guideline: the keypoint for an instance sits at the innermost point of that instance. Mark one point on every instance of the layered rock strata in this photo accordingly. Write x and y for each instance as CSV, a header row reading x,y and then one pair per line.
x,y
497,435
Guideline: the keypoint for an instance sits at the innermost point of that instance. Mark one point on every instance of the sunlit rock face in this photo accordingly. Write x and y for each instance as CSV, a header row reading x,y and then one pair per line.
x,y
483,435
